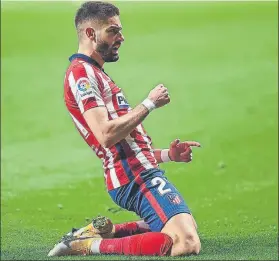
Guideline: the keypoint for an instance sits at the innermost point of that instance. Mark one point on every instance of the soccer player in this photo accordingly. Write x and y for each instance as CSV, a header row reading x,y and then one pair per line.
x,y
114,131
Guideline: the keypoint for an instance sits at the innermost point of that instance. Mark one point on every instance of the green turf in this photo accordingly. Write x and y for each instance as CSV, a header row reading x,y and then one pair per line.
x,y
219,61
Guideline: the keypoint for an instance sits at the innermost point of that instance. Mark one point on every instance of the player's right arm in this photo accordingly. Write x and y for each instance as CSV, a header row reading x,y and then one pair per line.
x,y
109,132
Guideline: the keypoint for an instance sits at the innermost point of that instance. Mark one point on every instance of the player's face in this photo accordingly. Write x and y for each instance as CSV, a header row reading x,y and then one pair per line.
x,y
110,40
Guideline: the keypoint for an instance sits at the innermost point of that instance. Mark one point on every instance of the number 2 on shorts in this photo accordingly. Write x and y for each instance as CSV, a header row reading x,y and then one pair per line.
x,y
161,190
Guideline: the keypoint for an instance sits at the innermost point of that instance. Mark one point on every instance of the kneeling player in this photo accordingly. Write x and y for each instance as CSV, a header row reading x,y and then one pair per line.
x,y
113,130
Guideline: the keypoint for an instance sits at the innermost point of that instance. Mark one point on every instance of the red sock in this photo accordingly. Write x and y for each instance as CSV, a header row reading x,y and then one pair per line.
x,y
147,244
130,228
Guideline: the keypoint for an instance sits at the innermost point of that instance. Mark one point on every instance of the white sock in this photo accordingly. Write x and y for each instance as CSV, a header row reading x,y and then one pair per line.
x,y
95,247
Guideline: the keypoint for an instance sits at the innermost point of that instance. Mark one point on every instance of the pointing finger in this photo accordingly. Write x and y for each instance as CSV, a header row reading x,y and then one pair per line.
x,y
192,143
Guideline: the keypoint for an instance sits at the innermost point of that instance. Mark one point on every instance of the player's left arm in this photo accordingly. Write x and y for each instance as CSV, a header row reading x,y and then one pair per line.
x,y
178,152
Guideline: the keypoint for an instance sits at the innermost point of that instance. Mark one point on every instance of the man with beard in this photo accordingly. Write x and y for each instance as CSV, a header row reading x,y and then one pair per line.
x,y
115,133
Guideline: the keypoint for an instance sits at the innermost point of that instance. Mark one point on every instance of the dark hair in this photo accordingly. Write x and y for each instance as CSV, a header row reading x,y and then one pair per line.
x,y
95,10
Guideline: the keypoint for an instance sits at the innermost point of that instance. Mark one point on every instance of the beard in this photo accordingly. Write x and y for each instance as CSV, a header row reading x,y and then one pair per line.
x,y
106,51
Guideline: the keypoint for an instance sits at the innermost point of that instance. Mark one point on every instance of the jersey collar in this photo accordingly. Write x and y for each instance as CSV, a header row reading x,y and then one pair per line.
x,y
85,58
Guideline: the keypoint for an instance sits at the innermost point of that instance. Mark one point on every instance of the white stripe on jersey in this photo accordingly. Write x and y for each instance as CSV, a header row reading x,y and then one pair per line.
x,y
72,83
112,172
92,78
80,127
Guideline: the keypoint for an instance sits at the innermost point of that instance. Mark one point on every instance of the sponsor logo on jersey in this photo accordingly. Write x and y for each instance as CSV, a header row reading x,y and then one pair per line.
x,y
121,101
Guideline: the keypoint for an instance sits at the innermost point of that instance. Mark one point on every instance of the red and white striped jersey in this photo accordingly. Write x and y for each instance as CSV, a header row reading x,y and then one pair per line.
x,y
87,86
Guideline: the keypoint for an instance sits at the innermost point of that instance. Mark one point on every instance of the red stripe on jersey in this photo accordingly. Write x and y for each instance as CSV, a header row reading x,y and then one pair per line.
x,y
120,172
91,101
108,180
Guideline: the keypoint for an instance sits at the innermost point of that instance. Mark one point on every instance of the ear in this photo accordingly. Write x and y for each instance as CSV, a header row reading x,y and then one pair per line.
x,y
91,34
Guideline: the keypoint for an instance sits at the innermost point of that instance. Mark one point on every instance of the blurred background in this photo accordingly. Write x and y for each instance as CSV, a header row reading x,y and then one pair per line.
x,y
219,61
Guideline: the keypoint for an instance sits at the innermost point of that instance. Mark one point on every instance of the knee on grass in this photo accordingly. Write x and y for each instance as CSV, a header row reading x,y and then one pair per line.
x,y
188,245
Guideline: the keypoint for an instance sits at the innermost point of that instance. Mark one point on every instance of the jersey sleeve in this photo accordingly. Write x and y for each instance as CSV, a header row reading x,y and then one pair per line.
x,y
85,88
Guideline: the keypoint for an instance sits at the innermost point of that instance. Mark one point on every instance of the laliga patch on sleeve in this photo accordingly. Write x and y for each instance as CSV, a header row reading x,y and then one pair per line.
x,y
84,88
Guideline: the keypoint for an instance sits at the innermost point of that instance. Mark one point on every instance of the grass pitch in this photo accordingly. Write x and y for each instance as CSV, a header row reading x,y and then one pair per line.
x,y
219,61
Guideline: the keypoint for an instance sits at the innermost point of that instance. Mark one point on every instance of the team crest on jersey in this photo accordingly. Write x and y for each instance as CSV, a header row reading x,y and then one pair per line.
x,y
84,87
121,101
174,198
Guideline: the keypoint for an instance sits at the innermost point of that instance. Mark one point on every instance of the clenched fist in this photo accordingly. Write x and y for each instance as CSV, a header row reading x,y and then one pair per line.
x,y
159,96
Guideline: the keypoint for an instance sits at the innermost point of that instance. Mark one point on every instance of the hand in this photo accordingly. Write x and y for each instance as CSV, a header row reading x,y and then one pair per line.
x,y
181,151
159,96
